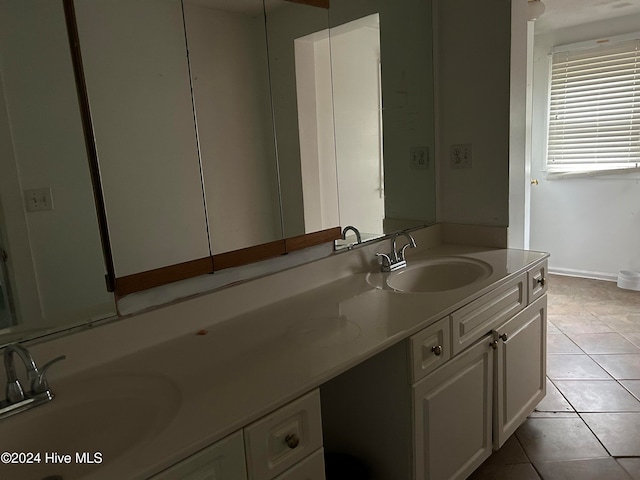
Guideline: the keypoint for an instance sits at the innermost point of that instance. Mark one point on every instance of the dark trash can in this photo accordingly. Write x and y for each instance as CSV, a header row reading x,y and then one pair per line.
x,y
341,466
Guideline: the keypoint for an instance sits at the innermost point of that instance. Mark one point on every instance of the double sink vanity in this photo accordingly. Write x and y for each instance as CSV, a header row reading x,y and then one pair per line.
x,y
419,373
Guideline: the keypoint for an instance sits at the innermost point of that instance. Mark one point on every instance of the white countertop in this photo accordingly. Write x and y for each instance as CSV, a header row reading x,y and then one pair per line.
x,y
198,388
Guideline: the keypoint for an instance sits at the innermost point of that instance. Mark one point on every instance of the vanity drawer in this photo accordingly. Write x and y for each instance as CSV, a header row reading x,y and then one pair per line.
x,y
430,348
311,468
476,319
537,278
283,438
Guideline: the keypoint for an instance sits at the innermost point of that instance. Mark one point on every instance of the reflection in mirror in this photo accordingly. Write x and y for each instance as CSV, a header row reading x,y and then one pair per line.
x,y
357,93
300,68
407,121
354,115
230,80
52,272
138,85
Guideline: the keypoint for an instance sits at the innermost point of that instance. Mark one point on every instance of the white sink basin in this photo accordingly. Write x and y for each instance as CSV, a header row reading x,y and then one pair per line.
x,y
101,418
434,275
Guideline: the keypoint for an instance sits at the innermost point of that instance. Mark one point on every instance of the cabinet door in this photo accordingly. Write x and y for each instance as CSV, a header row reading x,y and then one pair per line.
x,y
223,460
452,416
520,368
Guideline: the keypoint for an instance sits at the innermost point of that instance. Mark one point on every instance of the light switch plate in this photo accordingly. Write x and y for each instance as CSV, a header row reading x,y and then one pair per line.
x,y
38,199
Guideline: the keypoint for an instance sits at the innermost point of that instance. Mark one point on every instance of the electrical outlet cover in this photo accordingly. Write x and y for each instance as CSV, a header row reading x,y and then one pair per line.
x,y
419,157
461,155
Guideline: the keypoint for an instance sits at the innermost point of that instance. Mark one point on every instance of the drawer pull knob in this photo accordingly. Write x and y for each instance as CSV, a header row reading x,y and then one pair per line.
x,y
504,337
437,350
494,344
542,281
292,440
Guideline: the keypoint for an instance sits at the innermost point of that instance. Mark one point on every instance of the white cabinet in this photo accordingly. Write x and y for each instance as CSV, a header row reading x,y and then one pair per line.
x,y
284,445
430,348
408,414
311,468
284,437
453,415
224,460
520,371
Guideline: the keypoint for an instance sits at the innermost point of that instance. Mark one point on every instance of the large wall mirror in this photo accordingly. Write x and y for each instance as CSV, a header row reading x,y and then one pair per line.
x,y
219,126
52,270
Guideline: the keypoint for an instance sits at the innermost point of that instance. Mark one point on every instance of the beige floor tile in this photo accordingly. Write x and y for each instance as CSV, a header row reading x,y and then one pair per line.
x,y
536,414
574,367
561,344
614,307
632,466
622,323
620,366
633,337
598,396
555,439
553,401
552,329
633,386
579,324
590,469
511,452
602,343
618,432
518,471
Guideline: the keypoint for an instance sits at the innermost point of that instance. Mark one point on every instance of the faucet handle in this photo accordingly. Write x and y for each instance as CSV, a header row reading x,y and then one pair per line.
x,y
14,392
40,384
385,261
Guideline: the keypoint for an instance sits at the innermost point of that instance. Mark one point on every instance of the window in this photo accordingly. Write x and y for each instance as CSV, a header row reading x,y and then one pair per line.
x,y
594,109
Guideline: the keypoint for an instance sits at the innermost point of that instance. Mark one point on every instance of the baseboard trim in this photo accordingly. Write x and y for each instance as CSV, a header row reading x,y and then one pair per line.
x,y
569,272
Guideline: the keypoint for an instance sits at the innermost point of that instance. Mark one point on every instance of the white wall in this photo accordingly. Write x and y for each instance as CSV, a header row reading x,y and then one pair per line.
x,y
590,226
55,256
473,95
230,77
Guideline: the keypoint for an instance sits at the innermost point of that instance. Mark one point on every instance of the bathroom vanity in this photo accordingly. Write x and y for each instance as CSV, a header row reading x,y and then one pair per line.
x,y
262,379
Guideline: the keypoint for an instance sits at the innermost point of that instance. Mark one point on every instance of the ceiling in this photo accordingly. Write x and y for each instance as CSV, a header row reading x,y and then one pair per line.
x,y
566,13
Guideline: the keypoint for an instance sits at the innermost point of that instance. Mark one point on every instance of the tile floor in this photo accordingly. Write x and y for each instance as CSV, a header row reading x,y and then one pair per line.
x,y
588,426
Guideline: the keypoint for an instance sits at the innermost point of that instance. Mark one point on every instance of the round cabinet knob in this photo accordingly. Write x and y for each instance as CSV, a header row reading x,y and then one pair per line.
x,y
292,440
504,337
437,350
542,281
534,182
494,344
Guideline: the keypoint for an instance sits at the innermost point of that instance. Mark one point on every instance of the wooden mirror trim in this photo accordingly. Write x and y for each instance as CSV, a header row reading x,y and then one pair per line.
x,y
161,276
313,3
311,239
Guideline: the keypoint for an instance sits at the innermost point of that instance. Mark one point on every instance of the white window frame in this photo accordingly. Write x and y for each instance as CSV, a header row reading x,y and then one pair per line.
x,y
560,163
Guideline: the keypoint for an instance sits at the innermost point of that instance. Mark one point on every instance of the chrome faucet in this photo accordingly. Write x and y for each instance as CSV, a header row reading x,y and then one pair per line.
x,y
39,392
396,260
354,230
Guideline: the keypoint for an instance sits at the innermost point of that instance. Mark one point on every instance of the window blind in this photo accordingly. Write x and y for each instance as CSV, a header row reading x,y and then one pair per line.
x,y
594,111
